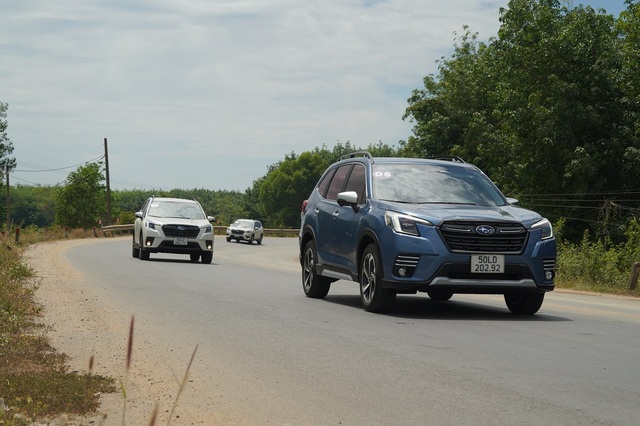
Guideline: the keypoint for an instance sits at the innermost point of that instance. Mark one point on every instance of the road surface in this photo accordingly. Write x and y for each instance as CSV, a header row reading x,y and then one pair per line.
x,y
266,354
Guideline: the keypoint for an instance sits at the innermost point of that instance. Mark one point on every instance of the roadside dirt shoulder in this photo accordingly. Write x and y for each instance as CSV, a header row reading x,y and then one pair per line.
x,y
82,325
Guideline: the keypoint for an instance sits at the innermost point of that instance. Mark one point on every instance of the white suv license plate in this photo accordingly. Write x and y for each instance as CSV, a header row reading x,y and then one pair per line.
x,y
487,263
180,241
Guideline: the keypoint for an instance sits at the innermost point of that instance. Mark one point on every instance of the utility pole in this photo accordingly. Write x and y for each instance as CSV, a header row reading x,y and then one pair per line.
x,y
8,201
106,163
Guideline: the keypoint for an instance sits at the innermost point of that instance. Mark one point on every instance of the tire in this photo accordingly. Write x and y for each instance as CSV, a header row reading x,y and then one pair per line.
x,y
524,304
207,257
228,239
259,240
251,240
440,295
373,296
314,285
143,255
194,257
135,251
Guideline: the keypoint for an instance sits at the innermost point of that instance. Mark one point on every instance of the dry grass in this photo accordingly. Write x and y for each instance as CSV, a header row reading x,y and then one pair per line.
x,y
35,383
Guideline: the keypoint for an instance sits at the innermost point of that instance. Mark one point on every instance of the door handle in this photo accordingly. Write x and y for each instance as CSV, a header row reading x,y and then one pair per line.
x,y
335,215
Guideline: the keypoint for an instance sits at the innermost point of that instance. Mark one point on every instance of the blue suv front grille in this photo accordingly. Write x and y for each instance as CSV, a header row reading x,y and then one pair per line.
x,y
463,237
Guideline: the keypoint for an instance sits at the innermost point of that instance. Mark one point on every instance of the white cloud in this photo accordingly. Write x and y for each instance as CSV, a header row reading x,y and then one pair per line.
x,y
209,93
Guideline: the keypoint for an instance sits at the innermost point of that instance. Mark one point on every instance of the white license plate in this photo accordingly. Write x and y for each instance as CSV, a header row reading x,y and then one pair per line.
x,y
487,263
180,241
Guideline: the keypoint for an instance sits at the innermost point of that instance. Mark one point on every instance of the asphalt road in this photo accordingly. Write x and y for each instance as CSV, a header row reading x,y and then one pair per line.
x,y
289,359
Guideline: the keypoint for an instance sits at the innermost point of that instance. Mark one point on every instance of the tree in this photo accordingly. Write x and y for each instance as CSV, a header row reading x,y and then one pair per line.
x,y
6,146
286,186
544,108
81,202
7,163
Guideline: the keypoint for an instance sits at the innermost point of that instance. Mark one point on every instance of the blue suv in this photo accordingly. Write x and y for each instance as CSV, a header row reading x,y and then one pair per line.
x,y
440,226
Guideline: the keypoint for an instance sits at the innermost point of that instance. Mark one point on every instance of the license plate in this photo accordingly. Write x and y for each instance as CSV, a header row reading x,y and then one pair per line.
x,y
487,263
180,241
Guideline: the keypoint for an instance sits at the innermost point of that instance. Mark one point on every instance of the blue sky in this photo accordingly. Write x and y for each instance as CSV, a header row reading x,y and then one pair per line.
x,y
209,93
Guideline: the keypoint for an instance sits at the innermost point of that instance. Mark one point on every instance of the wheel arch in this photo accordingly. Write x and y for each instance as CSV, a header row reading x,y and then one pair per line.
x,y
307,235
366,238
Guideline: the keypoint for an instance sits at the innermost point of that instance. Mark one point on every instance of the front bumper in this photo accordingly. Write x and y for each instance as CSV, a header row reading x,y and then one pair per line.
x,y
423,263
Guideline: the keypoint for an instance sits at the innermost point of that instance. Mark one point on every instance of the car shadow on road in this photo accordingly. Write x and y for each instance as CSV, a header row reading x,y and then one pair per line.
x,y
417,307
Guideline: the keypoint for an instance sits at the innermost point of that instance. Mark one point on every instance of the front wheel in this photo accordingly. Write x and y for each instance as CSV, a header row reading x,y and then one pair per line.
x,y
135,251
143,255
374,297
194,257
439,295
524,304
207,257
314,285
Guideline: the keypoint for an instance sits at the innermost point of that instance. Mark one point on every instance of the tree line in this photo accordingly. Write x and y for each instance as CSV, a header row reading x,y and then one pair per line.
x,y
549,108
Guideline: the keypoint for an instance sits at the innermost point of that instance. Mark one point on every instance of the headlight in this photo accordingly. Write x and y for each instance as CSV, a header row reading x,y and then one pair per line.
x,y
404,224
152,225
206,228
545,227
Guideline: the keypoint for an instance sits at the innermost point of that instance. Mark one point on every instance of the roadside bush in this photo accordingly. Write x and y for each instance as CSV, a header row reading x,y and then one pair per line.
x,y
597,265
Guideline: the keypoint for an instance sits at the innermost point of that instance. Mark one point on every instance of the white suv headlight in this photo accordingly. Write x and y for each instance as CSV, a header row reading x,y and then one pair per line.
x,y
403,223
545,226
152,225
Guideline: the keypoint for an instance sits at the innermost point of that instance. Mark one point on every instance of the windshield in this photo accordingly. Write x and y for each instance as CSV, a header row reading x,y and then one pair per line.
x,y
434,184
173,209
243,223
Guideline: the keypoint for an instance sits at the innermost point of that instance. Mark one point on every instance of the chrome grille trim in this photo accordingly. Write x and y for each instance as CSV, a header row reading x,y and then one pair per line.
x,y
461,237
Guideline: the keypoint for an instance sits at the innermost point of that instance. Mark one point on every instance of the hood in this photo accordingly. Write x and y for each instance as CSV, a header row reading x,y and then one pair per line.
x,y
439,213
178,221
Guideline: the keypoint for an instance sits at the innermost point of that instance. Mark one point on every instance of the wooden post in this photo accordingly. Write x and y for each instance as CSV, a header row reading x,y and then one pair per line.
x,y
635,271
106,164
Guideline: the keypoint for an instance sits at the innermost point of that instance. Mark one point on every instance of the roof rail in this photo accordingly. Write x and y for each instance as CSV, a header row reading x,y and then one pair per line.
x,y
452,158
365,154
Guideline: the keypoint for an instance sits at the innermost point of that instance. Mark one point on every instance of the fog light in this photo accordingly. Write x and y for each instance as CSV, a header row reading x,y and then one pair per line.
x,y
548,275
402,272
148,243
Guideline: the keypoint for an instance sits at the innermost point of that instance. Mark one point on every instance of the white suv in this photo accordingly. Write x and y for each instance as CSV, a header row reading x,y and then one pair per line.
x,y
248,230
173,225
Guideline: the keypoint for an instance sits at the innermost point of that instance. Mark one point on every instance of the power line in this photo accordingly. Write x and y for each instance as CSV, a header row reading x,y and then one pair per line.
x,y
61,168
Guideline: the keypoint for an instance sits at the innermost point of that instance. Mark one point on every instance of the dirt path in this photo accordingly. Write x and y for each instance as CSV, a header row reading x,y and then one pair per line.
x,y
82,326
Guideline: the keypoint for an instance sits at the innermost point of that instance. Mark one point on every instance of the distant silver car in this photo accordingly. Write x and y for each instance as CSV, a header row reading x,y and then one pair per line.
x,y
249,230
173,225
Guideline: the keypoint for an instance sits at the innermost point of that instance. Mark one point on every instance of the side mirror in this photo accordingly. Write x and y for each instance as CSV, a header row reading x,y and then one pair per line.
x,y
512,201
211,218
139,214
348,198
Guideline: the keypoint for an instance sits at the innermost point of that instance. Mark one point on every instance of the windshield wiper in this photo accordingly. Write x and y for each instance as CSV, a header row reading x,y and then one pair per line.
x,y
446,202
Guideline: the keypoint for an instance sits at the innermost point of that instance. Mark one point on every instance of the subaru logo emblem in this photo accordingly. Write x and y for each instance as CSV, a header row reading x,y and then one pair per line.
x,y
181,228
485,230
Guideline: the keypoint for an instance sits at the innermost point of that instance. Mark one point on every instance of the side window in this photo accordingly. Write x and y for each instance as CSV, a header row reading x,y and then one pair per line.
x,y
324,184
357,182
144,207
338,181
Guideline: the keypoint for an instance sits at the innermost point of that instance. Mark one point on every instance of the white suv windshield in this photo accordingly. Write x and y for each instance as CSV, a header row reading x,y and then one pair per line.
x,y
243,223
433,184
172,209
